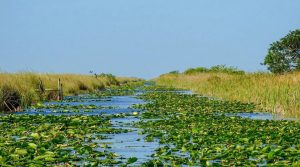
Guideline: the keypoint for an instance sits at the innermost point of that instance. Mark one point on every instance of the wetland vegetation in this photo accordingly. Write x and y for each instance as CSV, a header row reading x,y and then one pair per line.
x,y
23,89
136,125
274,93
197,131
206,116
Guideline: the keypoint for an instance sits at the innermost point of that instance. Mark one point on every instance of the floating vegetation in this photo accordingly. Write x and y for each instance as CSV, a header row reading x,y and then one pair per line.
x,y
193,131
37,140
178,129
84,98
69,108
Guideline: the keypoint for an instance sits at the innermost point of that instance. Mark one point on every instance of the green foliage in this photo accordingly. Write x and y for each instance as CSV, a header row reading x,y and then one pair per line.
x,y
37,140
215,69
132,160
196,131
225,69
174,72
284,55
196,70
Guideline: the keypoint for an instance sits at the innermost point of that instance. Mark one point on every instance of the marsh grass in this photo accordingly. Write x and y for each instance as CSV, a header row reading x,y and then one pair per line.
x,y
25,85
273,93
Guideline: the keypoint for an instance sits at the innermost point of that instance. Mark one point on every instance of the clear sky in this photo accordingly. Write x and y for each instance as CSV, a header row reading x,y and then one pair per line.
x,y
142,38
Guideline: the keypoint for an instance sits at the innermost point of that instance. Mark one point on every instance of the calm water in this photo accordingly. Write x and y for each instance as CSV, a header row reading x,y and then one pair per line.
x,y
126,145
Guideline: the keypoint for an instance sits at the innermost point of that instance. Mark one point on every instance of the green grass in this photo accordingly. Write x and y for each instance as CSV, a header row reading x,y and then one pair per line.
x,y
273,93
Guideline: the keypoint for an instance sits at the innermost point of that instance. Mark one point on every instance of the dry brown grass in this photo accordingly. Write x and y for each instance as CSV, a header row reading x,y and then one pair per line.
x,y
26,84
275,93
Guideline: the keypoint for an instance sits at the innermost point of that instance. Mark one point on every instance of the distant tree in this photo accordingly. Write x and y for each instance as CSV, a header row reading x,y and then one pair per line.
x,y
215,69
226,69
284,55
196,70
174,72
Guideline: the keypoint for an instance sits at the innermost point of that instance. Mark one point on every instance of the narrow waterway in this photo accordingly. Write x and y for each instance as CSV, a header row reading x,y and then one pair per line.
x,y
124,145
131,142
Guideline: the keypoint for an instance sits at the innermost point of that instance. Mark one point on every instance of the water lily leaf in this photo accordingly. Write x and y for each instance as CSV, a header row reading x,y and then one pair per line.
x,y
20,151
132,160
35,135
32,145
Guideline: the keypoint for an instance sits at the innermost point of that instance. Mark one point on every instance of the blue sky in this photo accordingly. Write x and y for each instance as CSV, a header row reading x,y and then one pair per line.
x,y
138,37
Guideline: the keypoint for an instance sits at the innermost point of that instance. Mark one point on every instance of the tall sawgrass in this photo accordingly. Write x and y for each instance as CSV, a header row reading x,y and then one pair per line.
x,y
26,85
274,93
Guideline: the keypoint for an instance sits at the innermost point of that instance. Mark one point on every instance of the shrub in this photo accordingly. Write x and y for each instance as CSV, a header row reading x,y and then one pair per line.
x,y
217,68
174,72
225,69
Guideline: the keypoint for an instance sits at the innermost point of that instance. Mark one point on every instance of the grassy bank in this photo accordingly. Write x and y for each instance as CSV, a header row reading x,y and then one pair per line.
x,y
21,88
274,93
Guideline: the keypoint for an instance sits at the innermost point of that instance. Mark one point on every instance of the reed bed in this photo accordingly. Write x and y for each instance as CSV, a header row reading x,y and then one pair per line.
x,y
23,87
273,93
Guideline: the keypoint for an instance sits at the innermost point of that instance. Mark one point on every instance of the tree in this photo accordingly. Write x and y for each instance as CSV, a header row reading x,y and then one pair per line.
x,y
284,55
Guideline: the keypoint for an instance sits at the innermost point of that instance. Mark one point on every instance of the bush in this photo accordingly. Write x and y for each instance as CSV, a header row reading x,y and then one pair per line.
x,y
196,70
174,72
217,68
225,69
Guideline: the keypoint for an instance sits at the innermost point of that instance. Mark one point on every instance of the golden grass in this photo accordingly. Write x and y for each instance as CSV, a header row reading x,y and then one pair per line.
x,y
27,83
275,93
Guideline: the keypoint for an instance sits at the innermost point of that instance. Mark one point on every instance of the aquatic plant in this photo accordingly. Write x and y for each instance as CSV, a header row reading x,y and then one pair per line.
x,y
196,131
37,140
